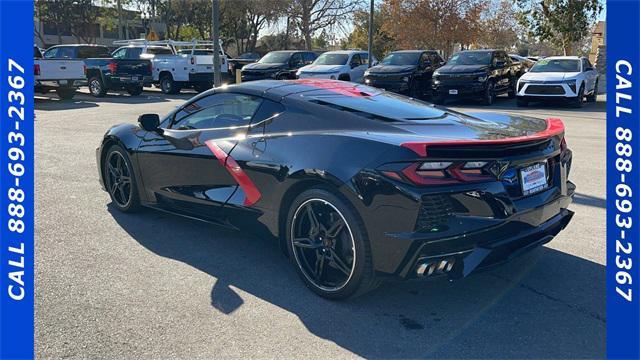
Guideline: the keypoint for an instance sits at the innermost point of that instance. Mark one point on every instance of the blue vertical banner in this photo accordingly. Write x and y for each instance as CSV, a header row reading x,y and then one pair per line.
x,y
16,180
623,182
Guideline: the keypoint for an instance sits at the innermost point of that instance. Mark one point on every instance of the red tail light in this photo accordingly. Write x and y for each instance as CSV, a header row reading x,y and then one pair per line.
x,y
113,67
442,174
36,69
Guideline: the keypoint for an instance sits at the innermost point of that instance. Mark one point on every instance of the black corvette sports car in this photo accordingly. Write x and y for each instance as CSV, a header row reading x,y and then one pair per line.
x,y
359,185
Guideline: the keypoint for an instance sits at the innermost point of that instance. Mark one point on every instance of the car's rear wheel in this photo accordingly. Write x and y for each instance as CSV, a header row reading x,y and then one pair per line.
x,y
489,94
66,93
120,180
328,245
168,86
96,87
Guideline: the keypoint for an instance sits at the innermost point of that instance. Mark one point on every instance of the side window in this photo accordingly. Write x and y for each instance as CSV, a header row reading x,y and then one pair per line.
x,y
355,60
296,60
65,53
120,53
267,110
217,111
364,58
133,53
424,59
309,57
51,53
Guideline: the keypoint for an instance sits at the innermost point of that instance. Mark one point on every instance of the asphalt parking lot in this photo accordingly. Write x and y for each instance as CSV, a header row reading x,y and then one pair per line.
x,y
151,285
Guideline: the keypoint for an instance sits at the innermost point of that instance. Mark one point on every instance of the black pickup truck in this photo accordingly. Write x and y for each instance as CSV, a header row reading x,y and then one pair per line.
x,y
279,65
482,74
103,72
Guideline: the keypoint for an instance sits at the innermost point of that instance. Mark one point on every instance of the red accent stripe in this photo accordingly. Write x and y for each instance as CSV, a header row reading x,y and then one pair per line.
x,y
251,192
554,127
340,87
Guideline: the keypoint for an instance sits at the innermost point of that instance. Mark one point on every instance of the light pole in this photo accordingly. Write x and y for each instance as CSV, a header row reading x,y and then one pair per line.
x,y
370,44
144,16
215,32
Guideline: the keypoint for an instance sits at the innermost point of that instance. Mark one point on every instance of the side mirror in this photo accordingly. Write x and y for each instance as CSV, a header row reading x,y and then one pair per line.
x,y
149,122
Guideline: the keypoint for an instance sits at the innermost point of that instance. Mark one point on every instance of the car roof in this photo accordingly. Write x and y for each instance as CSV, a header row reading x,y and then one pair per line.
x,y
345,52
563,57
414,51
78,45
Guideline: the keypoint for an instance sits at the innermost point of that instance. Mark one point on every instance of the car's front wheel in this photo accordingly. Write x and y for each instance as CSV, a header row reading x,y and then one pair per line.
x,y
96,87
120,180
328,245
489,94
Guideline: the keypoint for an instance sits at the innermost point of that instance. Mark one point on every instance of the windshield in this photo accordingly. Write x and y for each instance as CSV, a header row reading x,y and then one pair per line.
x,y
331,59
401,58
470,58
556,65
275,58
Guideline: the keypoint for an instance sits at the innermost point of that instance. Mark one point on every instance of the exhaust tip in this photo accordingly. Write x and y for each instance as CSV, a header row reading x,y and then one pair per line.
x,y
437,267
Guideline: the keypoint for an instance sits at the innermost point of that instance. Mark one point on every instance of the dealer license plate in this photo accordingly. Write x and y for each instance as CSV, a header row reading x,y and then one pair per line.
x,y
453,92
534,178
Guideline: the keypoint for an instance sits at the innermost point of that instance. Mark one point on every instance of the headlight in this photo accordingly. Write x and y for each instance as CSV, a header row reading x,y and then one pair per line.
x,y
405,78
298,73
366,73
367,81
572,84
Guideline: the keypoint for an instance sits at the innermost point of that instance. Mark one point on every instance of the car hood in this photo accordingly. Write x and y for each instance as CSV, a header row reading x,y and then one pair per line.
x,y
549,76
321,68
389,69
265,67
459,69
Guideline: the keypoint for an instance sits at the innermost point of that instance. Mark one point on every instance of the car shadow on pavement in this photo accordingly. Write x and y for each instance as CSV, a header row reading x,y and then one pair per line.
x,y
546,304
50,102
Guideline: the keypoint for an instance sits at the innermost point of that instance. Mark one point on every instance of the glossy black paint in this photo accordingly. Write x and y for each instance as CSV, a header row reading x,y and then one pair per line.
x,y
308,140
413,80
472,80
285,70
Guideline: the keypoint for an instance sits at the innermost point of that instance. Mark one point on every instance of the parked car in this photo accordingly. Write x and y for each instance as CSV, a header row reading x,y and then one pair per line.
x,y
482,74
524,64
242,60
347,65
62,75
175,64
358,184
278,65
406,72
103,72
566,77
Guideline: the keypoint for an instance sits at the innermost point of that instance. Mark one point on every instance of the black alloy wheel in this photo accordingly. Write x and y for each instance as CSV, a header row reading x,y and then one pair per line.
x,y
489,94
119,180
328,245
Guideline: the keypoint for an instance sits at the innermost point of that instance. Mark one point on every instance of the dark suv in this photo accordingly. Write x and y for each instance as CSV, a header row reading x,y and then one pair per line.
x,y
482,74
407,72
278,65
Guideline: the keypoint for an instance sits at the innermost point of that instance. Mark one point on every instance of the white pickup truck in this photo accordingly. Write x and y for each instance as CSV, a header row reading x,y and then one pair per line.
x,y
176,64
63,76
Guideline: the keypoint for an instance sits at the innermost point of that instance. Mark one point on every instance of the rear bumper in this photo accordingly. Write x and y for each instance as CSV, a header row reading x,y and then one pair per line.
x,y
460,256
63,83
135,80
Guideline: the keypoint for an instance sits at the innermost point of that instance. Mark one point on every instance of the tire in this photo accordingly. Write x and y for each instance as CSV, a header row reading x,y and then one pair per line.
x,y
594,95
135,90
522,102
124,194
579,100
489,94
344,261
168,86
96,87
200,87
511,93
66,93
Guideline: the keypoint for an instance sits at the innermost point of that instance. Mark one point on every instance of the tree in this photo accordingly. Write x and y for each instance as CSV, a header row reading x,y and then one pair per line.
x,y
383,42
77,17
565,23
499,26
310,16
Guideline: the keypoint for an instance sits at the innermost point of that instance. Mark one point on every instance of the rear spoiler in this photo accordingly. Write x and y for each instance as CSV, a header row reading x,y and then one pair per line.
x,y
554,127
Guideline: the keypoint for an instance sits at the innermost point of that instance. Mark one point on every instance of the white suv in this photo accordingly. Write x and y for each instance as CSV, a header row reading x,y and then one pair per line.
x,y
347,65
568,77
